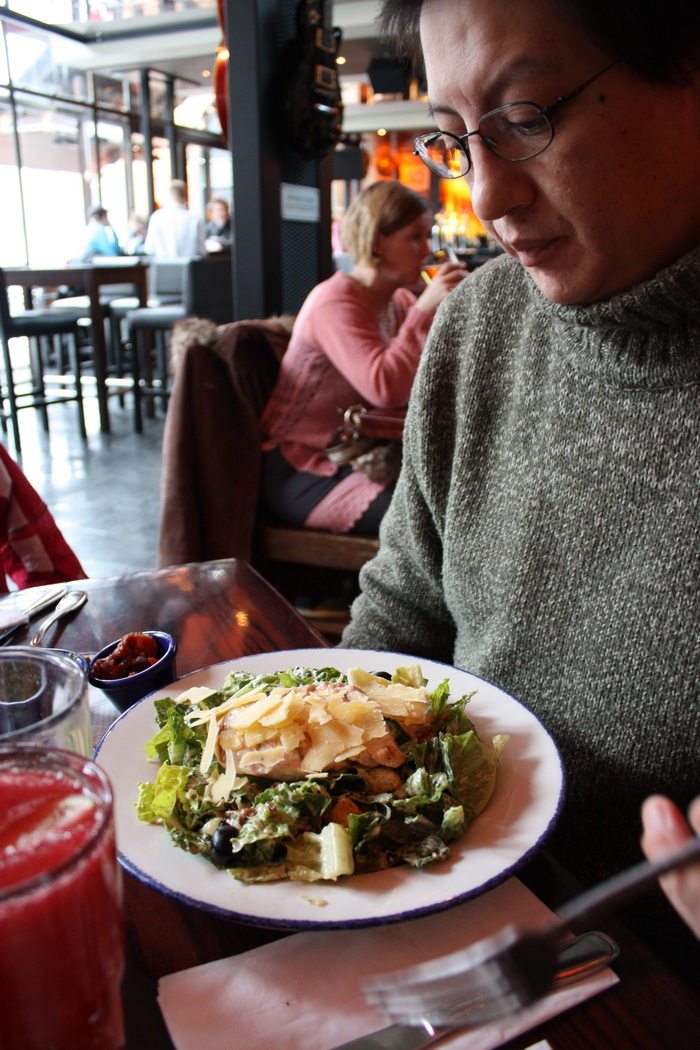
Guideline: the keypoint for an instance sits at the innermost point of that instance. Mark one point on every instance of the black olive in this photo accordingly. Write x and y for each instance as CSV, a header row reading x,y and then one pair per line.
x,y
221,852
279,852
382,674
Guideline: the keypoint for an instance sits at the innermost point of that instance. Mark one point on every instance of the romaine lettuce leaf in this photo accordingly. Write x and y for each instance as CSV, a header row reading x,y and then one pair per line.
x,y
471,765
157,801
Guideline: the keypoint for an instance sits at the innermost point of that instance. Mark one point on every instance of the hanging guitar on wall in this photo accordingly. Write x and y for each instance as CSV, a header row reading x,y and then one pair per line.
x,y
312,103
220,76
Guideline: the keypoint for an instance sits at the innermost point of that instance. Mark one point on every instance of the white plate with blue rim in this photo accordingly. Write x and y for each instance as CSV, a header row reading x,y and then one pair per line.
x,y
520,814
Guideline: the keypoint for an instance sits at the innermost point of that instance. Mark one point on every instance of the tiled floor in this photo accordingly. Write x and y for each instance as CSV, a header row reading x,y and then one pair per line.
x,y
103,493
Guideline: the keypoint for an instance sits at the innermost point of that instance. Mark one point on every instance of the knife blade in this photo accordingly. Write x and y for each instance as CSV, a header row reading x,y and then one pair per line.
x,y
46,600
581,957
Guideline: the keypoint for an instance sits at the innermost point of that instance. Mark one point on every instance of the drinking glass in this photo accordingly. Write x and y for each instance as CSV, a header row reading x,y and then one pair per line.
x,y
44,699
432,264
61,930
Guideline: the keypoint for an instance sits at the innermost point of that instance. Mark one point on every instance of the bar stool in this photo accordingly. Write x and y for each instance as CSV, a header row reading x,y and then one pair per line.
x,y
166,281
208,293
37,326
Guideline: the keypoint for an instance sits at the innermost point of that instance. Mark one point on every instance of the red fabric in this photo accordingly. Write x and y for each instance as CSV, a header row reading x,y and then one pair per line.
x,y
32,549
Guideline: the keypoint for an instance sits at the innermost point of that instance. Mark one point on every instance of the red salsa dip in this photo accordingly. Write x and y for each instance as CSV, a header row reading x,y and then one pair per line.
x,y
133,653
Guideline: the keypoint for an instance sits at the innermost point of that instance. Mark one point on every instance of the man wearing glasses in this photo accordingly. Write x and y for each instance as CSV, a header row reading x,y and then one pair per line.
x,y
544,530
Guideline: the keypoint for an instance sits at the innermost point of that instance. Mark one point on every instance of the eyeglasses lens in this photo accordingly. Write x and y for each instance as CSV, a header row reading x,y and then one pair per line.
x,y
517,131
444,155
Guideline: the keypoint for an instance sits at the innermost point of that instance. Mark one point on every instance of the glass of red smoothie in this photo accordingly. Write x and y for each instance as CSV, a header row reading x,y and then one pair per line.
x,y
44,699
61,932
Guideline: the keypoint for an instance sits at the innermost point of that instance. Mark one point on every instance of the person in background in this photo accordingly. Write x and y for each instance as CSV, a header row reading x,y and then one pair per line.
x,y
357,339
543,532
33,551
136,239
173,231
666,829
217,230
99,237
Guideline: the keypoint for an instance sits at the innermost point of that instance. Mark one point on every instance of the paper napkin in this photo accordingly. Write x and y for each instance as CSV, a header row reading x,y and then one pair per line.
x,y
303,992
11,615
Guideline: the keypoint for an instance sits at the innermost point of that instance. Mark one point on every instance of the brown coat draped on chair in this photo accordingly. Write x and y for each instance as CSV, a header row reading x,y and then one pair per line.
x,y
211,451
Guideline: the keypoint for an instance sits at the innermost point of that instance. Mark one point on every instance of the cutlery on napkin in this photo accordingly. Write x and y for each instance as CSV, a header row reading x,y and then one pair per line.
x,y
305,991
15,614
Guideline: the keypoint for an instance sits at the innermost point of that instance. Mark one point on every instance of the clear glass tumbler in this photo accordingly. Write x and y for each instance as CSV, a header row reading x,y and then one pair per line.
x,y
61,928
44,699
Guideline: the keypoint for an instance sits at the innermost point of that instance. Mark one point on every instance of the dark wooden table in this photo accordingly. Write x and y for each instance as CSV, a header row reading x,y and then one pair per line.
x,y
224,609
87,278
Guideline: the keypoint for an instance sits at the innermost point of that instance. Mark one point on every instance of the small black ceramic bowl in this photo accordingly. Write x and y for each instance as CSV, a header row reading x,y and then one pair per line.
x,y
123,692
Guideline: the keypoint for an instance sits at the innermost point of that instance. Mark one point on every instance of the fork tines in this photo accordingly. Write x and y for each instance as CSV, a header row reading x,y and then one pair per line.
x,y
490,979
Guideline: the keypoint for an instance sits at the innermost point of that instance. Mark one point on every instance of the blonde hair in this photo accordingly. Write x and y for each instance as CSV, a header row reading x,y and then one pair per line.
x,y
382,208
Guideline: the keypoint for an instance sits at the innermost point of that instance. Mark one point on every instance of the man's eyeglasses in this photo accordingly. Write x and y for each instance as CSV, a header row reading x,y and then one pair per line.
x,y
516,131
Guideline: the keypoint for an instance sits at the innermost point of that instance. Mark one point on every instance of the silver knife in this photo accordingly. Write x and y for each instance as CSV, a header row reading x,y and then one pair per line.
x,y
581,957
46,600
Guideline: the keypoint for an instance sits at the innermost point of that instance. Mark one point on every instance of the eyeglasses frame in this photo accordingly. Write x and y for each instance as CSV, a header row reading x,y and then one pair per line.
x,y
544,111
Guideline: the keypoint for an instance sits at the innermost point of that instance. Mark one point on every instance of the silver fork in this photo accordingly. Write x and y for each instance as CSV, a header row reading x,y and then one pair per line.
x,y
582,956
504,973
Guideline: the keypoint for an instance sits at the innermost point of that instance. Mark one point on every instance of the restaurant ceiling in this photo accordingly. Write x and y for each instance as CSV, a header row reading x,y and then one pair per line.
x,y
184,43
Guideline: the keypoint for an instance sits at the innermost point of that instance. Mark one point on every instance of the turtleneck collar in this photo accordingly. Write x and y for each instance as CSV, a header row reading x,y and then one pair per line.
x,y
647,337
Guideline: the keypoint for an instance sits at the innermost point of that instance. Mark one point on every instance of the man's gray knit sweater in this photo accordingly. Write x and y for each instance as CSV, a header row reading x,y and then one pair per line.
x,y
544,533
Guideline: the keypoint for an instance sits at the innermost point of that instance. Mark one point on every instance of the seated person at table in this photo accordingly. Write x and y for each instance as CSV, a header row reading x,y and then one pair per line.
x,y
136,237
33,551
357,339
217,229
543,531
99,237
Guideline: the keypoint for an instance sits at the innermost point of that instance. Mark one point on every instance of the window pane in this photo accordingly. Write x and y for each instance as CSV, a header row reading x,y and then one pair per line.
x,y
195,108
112,91
111,138
52,171
4,72
46,63
138,167
221,174
12,247
162,171
195,162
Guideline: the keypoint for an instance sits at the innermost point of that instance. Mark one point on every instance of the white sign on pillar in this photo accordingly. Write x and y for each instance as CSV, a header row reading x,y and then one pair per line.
x,y
300,203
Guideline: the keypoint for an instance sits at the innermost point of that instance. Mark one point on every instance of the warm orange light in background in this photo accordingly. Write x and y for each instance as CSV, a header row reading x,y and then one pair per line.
x,y
457,217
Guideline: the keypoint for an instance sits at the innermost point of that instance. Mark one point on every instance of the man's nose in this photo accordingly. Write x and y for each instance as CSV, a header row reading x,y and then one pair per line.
x,y
497,186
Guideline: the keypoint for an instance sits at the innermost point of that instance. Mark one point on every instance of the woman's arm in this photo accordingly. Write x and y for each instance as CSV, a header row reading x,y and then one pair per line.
x,y
342,321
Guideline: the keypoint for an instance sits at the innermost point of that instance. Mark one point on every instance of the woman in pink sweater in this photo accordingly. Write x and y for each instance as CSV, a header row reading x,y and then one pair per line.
x,y
357,340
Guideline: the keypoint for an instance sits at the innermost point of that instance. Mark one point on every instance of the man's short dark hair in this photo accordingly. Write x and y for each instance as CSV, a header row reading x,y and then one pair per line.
x,y
97,212
658,39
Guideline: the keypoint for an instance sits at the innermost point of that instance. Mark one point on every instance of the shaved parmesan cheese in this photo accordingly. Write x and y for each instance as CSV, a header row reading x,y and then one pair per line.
x,y
208,749
195,695
227,781
311,728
